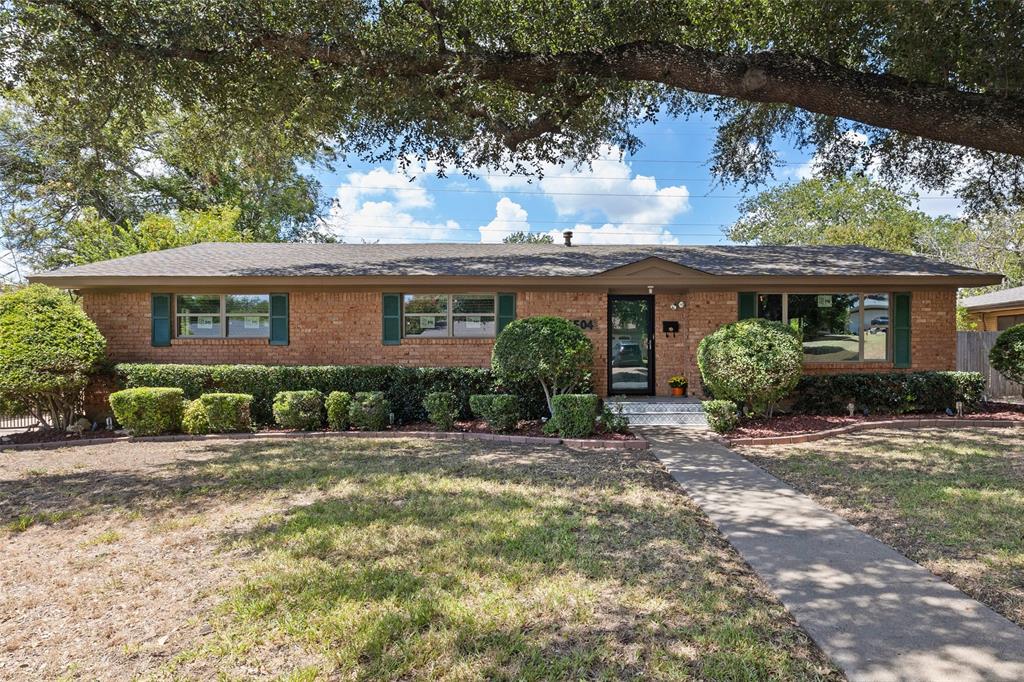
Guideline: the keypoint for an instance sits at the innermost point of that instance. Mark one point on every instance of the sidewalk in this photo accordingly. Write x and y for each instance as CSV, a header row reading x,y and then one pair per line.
x,y
875,613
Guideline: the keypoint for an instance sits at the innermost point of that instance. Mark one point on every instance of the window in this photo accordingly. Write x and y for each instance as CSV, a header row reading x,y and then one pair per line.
x,y
449,315
834,327
1004,322
218,316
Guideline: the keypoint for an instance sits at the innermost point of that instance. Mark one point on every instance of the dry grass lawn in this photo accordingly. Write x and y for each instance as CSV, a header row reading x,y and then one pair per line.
x,y
348,559
951,500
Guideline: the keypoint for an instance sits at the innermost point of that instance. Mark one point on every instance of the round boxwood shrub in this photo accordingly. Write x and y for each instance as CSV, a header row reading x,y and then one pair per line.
x,y
194,420
722,415
1007,355
299,410
500,411
148,411
550,351
442,409
751,362
337,404
574,416
370,411
48,350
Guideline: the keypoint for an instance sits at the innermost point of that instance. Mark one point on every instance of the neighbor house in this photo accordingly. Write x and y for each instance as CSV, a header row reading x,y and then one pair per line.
x,y
644,307
996,310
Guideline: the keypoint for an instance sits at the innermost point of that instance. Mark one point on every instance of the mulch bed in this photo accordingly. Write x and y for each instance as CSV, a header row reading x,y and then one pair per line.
x,y
51,436
794,424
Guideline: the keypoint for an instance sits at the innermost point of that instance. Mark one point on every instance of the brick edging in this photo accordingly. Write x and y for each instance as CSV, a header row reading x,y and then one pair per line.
x,y
864,426
638,443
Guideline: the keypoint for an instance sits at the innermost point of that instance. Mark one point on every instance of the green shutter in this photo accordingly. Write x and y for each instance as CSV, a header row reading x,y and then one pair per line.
x,y
748,304
506,310
279,319
901,330
392,322
161,319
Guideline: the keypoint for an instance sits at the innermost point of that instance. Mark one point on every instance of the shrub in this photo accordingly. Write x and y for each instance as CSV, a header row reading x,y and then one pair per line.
x,y
547,351
48,350
1007,355
404,387
888,392
752,362
227,412
148,411
722,415
299,410
574,415
337,404
370,411
612,421
194,419
500,411
442,409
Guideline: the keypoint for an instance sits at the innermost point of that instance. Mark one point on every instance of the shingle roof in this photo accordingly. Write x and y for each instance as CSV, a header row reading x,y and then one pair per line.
x,y
501,260
1003,297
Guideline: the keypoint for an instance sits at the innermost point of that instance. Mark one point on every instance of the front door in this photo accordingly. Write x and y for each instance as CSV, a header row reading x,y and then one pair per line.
x,y
631,345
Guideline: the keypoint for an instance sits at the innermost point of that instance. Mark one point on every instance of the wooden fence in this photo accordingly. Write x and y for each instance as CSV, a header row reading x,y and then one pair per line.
x,y
972,356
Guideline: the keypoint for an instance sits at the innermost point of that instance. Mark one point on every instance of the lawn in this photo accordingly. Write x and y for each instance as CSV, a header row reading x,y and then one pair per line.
x,y
348,559
951,500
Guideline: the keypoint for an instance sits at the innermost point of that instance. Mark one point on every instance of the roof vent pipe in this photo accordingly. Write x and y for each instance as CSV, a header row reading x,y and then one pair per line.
x,y
568,237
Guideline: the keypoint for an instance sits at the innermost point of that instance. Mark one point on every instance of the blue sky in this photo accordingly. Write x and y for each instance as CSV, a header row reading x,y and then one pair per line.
x,y
663,194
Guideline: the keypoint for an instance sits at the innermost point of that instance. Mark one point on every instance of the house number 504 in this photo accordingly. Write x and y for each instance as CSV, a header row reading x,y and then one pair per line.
x,y
584,324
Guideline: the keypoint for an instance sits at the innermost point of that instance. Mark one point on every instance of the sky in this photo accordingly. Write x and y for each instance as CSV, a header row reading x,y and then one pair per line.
x,y
664,194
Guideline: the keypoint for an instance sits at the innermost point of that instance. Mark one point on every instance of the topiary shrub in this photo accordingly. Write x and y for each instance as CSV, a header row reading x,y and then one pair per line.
x,y
148,411
722,415
574,415
370,411
48,350
549,351
299,410
442,409
194,420
500,411
337,404
752,362
1007,354
227,412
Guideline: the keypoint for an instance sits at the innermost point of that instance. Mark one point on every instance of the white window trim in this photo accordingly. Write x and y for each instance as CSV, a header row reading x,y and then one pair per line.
x,y
861,298
221,314
450,315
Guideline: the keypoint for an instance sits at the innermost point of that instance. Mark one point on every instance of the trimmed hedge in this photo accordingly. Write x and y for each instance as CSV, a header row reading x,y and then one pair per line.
x,y
575,414
370,411
337,404
722,415
442,409
888,392
500,411
404,387
227,412
299,410
148,411
194,420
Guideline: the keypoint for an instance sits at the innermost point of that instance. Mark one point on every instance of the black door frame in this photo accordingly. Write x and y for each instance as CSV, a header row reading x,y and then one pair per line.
x,y
650,343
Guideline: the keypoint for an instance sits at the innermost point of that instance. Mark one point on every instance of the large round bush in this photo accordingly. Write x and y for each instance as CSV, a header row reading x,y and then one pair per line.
x,y
1007,355
48,349
751,362
550,351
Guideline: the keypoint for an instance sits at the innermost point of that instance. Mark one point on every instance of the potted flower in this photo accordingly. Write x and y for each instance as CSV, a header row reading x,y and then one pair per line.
x,y
678,384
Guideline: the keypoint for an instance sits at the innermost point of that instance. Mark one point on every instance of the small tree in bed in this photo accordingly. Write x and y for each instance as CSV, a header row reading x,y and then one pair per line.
x,y
548,350
48,349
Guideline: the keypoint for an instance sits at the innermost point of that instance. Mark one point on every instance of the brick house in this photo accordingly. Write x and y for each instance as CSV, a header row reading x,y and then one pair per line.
x,y
996,311
645,307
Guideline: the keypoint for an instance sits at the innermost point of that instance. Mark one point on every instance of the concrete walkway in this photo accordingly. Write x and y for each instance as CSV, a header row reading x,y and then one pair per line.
x,y
875,613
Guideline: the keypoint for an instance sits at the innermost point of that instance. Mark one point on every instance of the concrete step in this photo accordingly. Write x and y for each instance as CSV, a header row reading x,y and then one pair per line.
x,y
654,411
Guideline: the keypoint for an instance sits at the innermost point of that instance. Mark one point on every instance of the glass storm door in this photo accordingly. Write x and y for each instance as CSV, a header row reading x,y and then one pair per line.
x,y
630,345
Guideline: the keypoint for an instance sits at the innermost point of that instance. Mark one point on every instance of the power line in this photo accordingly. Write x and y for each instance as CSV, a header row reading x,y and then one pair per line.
x,y
463,190
441,228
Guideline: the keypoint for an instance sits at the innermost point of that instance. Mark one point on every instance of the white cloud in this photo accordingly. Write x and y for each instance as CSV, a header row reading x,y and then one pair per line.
x,y
610,233
509,217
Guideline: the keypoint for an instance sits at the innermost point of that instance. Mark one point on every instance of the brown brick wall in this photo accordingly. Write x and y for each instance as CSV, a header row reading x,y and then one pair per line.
x,y
339,327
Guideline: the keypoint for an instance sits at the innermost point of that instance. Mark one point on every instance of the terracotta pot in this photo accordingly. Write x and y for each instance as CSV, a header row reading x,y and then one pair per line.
x,y
677,392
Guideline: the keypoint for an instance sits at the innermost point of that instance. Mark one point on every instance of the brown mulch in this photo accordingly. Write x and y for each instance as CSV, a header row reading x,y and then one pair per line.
x,y
52,435
794,424
525,428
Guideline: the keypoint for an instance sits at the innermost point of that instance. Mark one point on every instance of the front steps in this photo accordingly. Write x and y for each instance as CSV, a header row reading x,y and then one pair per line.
x,y
659,411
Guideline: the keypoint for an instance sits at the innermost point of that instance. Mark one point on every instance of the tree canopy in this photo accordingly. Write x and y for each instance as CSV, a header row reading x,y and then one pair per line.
x,y
928,91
